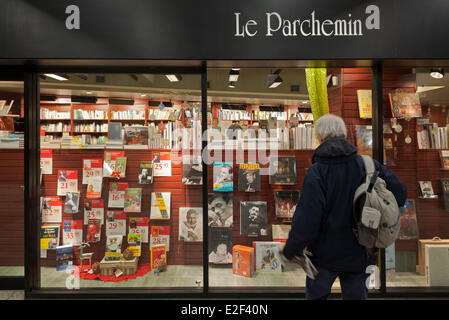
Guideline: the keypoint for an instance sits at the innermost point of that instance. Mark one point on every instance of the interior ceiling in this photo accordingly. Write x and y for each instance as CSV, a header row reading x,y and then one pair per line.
x,y
432,92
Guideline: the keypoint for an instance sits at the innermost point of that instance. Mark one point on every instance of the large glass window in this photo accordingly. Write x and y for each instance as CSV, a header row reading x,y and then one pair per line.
x,y
11,179
260,119
416,103
120,186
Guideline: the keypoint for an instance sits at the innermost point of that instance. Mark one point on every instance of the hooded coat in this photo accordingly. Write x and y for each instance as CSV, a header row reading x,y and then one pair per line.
x,y
323,220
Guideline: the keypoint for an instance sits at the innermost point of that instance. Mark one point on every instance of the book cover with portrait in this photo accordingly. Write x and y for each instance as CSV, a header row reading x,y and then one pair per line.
x,y
253,218
220,245
223,176
249,177
191,224
220,210
192,170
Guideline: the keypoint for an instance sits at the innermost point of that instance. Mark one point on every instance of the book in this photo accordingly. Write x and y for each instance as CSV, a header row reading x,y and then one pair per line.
x,y
115,132
93,209
72,232
136,136
117,191
133,200
405,105
134,244
139,225
160,205
64,257
365,103
162,164
249,177
160,235
192,170
220,210
426,189
280,232
93,230
67,181
220,245
120,167
51,209
71,204
223,176
115,223
158,255
282,170
243,260
94,185
285,202
113,248
91,168
191,224
109,162
145,175
444,193
444,157
364,140
267,257
409,224
253,218
49,236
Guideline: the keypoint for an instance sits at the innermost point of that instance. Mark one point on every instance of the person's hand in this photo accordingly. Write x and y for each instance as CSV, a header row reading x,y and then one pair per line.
x,y
287,265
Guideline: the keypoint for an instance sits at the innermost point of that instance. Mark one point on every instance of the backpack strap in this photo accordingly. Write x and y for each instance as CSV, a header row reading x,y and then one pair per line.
x,y
369,166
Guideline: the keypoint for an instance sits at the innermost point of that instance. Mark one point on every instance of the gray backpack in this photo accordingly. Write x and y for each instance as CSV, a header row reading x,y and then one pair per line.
x,y
376,212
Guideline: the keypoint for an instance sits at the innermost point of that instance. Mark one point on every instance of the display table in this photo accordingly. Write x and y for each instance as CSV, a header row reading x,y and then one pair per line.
x,y
128,267
422,251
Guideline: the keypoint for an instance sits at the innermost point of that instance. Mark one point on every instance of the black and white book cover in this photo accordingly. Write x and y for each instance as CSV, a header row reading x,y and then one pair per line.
x,y
220,210
72,200
253,218
285,202
220,245
426,189
145,173
282,170
249,177
192,170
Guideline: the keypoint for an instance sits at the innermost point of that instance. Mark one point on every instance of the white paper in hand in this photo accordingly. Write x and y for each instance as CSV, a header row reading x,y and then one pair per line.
x,y
306,264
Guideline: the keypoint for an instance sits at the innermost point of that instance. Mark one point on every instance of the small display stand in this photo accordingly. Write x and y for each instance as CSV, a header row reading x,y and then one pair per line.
x,y
127,267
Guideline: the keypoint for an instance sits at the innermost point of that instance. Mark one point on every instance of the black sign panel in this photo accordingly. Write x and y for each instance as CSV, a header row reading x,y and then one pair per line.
x,y
226,29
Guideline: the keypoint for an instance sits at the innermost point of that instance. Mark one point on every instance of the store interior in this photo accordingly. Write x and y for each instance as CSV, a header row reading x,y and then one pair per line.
x,y
80,113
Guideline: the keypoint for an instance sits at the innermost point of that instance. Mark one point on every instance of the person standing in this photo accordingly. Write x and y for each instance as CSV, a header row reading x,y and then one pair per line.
x,y
323,219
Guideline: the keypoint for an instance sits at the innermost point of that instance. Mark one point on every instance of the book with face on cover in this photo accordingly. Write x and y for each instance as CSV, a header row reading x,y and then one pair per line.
x,y
249,177
223,176
71,204
220,210
192,170
253,218
220,245
282,170
191,224
93,209
51,209
145,173
426,189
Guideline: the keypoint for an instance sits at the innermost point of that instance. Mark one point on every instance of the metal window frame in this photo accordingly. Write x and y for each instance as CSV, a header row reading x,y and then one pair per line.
x,y
32,148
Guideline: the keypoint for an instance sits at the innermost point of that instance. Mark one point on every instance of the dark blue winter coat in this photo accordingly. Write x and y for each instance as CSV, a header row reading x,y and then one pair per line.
x,y
323,219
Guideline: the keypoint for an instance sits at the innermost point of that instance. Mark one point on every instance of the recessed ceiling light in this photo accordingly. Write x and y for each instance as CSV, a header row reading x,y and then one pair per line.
x,y
173,77
56,77
89,92
233,75
437,73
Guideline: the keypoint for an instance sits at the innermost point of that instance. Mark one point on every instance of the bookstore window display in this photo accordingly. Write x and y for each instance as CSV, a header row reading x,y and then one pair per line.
x,y
416,146
11,179
121,182
256,183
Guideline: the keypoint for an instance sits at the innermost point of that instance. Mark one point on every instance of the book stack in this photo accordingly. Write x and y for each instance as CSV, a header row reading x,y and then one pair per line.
x,y
92,127
46,114
10,140
234,115
80,114
430,136
50,142
56,127
92,142
128,115
303,137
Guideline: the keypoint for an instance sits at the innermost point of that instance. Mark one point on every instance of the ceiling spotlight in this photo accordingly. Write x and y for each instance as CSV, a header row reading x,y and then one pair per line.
x,y
231,84
57,77
143,95
88,92
233,75
274,80
173,77
437,73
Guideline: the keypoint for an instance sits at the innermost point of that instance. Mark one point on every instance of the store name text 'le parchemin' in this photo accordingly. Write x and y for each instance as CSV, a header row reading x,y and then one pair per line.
x,y
311,26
